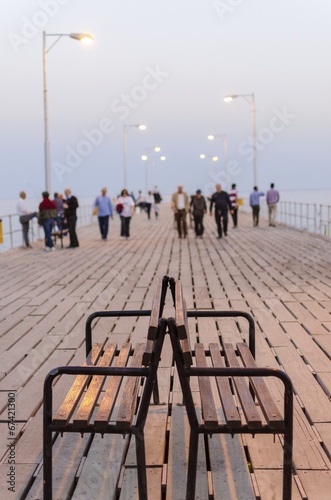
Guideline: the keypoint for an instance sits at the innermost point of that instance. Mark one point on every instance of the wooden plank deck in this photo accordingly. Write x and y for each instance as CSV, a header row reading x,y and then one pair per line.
x,y
281,276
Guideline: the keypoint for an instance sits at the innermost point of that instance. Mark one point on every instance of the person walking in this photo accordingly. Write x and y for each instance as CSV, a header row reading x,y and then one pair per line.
x,y
233,195
25,215
149,203
105,210
254,201
199,208
272,200
157,201
70,212
222,204
180,206
46,218
126,208
58,200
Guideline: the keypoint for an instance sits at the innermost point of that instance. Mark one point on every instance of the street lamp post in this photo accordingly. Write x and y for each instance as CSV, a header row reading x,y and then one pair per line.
x,y
250,98
152,159
225,151
125,149
212,161
82,37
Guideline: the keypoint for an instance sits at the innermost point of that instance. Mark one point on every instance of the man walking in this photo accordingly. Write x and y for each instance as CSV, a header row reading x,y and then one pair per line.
x,y
180,206
70,212
105,210
199,208
233,195
25,215
254,201
272,200
222,205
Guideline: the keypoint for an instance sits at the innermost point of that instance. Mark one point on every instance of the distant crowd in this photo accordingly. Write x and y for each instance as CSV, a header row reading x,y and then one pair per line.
x,y
58,216
222,202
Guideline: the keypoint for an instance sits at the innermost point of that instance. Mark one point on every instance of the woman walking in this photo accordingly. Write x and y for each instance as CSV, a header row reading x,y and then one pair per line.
x,y
125,208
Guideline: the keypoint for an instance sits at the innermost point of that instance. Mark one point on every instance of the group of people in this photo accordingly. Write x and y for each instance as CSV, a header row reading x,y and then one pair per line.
x,y
272,199
222,203
125,207
59,211
63,212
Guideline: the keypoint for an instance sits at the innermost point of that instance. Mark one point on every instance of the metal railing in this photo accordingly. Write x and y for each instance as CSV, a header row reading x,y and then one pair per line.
x,y
12,229
312,217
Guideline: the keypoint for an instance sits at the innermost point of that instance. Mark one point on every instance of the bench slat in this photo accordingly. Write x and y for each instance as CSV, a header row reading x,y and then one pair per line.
x,y
69,404
269,408
106,406
230,409
130,392
155,313
182,325
248,406
90,399
209,413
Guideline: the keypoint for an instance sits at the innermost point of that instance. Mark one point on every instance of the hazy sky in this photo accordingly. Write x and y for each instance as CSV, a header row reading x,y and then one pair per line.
x,y
167,65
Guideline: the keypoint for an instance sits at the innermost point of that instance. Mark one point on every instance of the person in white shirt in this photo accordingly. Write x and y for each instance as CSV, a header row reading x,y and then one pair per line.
x,y
125,207
25,215
181,206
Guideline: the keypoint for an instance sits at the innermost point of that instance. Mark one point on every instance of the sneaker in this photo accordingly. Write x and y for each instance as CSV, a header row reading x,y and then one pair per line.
x,y
47,249
53,249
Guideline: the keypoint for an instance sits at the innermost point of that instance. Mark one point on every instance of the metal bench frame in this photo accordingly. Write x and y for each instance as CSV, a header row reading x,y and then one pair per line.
x,y
149,372
185,371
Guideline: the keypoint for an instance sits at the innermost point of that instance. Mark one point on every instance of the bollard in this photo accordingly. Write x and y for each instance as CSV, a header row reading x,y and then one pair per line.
x,y
1,235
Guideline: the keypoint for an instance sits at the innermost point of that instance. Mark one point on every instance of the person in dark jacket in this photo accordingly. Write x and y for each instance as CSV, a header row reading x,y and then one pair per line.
x,y
46,218
199,208
70,212
222,206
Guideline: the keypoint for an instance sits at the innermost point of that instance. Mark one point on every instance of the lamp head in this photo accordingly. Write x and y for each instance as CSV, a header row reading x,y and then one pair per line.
x,y
202,157
85,38
144,157
141,127
229,98
157,149
162,158
211,137
215,158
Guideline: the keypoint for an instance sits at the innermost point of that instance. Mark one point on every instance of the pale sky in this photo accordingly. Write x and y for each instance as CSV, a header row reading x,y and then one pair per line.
x,y
167,65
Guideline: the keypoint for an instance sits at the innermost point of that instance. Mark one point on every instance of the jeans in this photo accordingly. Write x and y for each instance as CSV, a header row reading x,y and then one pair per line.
x,y
235,216
125,226
48,225
103,225
219,215
256,211
198,224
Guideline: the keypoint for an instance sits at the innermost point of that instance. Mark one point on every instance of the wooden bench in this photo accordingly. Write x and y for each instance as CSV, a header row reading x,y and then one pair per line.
x,y
106,396
231,367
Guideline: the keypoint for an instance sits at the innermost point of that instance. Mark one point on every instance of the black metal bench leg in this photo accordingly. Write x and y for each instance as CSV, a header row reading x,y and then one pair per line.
x,y
141,465
156,395
47,438
192,465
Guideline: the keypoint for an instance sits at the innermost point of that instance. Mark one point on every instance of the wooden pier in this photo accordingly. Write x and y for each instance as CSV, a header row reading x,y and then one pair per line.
x,y
280,275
